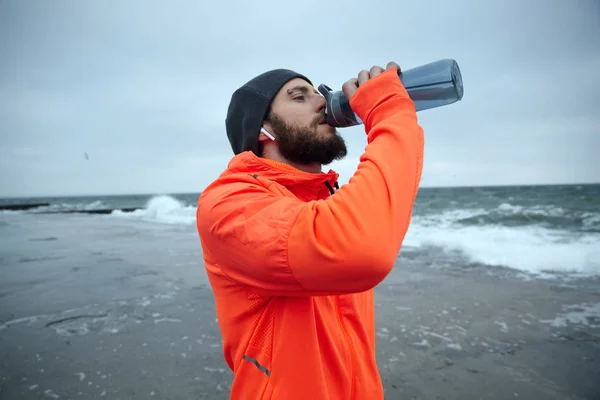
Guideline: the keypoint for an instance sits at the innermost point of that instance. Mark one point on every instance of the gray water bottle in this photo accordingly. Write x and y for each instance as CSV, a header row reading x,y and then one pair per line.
x,y
432,85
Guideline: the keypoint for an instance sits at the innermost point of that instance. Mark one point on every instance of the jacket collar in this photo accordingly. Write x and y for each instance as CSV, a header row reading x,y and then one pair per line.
x,y
284,174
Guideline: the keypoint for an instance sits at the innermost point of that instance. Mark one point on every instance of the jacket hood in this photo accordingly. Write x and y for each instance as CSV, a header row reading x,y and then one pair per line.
x,y
284,174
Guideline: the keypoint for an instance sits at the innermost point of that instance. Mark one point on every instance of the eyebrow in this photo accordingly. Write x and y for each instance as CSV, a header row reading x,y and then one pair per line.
x,y
301,88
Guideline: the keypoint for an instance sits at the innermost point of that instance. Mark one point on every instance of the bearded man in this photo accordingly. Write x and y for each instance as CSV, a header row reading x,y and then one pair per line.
x,y
292,258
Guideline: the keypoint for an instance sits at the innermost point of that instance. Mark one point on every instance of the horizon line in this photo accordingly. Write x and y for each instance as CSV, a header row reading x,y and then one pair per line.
x,y
37,196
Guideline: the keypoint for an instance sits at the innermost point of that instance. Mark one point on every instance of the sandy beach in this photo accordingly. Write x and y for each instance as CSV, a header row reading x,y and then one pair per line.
x,y
100,308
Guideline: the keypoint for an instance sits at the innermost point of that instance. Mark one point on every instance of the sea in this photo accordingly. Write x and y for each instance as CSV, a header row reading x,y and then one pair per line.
x,y
536,231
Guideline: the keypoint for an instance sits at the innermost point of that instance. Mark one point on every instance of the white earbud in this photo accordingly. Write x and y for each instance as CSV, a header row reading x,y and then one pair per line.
x,y
263,130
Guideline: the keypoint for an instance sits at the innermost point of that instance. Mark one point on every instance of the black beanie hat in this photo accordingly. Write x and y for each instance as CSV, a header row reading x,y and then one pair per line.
x,y
249,106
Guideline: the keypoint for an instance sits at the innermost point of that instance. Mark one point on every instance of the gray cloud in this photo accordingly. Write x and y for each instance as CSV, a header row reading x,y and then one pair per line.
x,y
144,89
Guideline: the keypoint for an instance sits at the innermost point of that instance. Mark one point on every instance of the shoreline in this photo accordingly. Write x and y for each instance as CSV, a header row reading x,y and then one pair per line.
x,y
439,335
119,311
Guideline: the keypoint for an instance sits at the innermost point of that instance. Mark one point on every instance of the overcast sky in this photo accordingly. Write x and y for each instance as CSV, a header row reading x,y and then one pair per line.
x,y
143,87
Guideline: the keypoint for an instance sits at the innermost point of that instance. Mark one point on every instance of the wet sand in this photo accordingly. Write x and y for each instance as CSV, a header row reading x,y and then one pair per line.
x,y
98,308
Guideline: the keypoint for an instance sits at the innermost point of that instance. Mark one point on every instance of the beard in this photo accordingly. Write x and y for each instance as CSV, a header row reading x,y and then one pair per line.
x,y
305,145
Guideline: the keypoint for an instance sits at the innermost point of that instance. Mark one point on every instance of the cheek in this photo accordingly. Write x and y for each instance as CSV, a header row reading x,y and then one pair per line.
x,y
297,114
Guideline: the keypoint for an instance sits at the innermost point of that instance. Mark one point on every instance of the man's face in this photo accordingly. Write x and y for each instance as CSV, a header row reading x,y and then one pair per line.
x,y
297,119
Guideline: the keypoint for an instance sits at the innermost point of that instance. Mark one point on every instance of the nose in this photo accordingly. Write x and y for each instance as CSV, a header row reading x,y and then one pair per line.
x,y
321,104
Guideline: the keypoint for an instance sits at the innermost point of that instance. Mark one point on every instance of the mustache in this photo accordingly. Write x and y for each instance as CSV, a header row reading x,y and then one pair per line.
x,y
317,120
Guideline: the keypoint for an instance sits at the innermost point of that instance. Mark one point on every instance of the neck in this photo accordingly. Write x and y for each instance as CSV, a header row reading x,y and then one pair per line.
x,y
273,154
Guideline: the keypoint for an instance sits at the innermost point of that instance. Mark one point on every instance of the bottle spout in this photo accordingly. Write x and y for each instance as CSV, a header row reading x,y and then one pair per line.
x,y
338,110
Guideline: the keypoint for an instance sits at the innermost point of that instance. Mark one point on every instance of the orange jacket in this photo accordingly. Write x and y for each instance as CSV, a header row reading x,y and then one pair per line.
x,y
293,267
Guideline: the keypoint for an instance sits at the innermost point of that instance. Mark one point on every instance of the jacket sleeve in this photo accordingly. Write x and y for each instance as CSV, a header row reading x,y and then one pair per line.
x,y
346,243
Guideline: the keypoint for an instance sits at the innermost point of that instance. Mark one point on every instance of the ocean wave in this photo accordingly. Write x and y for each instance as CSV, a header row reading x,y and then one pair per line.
x,y
162,209
60,207
508,215
526,247
531,249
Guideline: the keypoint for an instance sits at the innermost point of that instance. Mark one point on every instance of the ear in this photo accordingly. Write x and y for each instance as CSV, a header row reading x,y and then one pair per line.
x,y
262,136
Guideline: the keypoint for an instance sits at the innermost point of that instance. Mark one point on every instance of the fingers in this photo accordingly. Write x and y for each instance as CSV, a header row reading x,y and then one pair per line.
x,y
363,76
353,82
392,65
375,70
350,87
